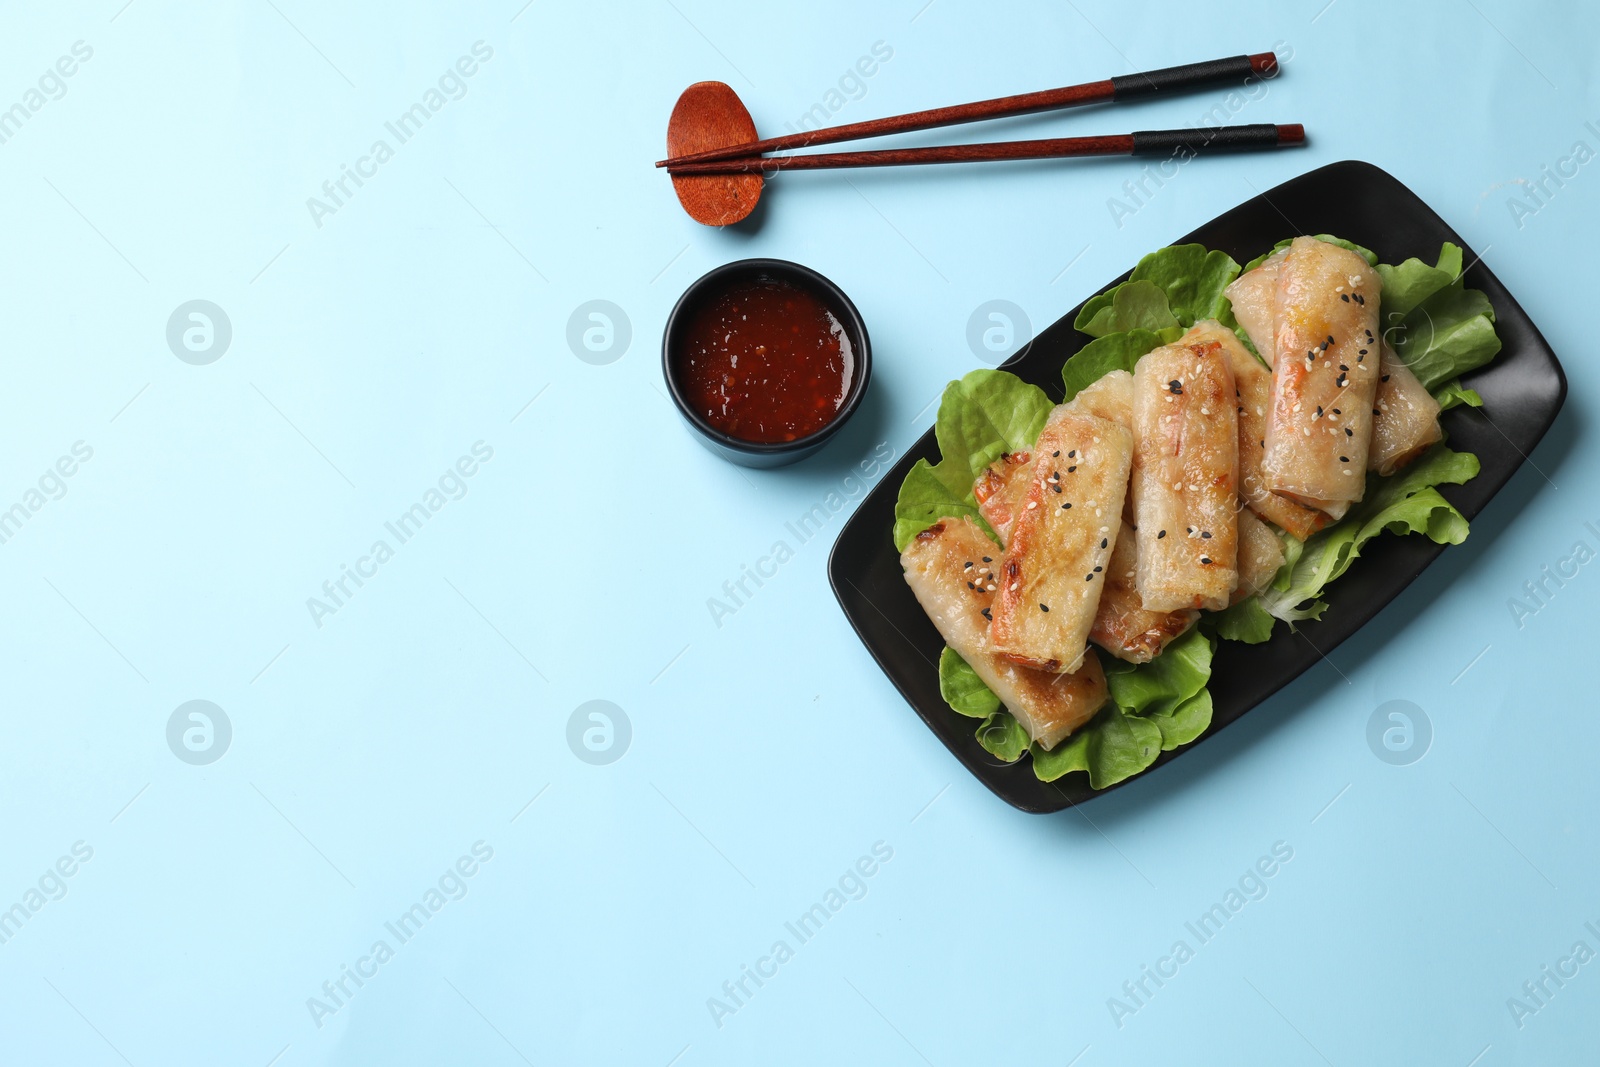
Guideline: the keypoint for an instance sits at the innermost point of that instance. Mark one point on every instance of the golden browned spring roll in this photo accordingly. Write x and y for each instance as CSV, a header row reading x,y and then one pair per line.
x,y
1324,378
1254,296
1186,476
1122,626
1110,397
1260,556
1252,383
1054,566
1407,422
1002,490
946,567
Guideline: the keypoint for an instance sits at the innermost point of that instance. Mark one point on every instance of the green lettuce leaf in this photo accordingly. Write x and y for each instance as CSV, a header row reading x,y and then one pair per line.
x,y
1192,277
1185,722
1117,351
1003,737
1154,707
962,689
1158,687
1446,335
1189,278
1133,305
1453,394
1404,503
1409,284
985,414
1246,622
924,499
1113,746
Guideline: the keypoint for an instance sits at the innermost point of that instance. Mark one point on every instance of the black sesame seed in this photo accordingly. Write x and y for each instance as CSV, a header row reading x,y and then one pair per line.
x,y
986,615
1057,488
1384,378
1067,505
1056,454
1175,387
1205,559
1336,411
1344,459
986,559
971,586
1072,468
1345,297
1160,535
1044,607
1374,411
968,566
1205,535
1348,432
1363,351
1073,454
1088,577
1319,411
1103,542
1097,570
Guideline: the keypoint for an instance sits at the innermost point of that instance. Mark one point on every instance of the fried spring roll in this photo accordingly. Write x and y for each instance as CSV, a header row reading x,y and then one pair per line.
x,y
1324,377
1002,488
1122,626
1002,491
1260,556
1254,296
1407,422
1252,384
945,569
1186,476
1109,397
1054,566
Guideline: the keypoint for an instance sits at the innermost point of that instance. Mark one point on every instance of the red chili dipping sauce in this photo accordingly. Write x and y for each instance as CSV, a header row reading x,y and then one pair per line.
x,y
765,361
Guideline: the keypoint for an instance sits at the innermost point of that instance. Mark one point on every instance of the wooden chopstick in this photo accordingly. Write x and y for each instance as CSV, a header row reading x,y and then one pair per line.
x,y
1121,87
1146,142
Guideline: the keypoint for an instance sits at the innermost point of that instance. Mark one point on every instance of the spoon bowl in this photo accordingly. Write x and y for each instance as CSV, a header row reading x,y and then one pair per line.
x,y
710,116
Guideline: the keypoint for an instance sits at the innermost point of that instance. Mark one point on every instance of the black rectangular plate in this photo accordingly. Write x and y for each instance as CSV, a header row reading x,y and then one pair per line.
x,y
1523,389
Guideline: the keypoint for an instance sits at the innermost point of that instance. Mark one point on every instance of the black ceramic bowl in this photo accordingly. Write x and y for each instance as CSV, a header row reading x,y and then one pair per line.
x,y
711,284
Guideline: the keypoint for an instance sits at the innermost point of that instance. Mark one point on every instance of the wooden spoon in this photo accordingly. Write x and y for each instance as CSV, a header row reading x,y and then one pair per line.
x,y
709,116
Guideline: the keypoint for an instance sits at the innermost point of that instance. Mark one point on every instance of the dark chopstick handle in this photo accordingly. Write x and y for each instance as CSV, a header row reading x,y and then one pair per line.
x,y
1192,75
1122,87
1259,135
1121,144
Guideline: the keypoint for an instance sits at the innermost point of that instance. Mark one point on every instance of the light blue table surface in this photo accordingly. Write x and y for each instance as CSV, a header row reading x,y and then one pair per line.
x,y
419,720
